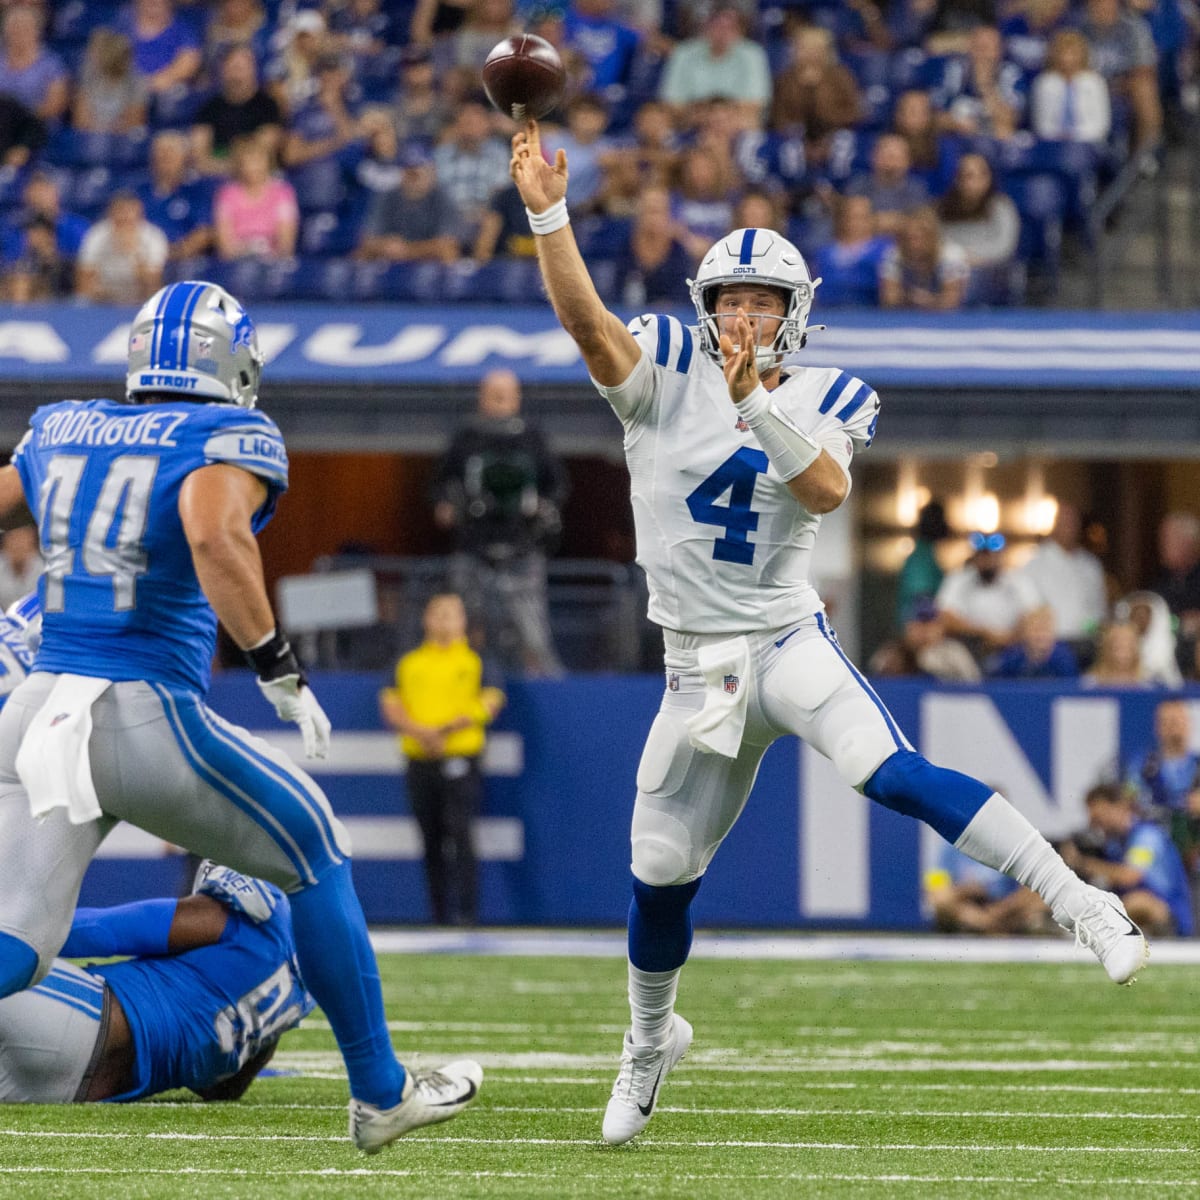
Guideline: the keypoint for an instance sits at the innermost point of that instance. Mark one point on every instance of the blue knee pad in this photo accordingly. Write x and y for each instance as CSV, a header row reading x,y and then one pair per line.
x,y
18,962
909,783
660,925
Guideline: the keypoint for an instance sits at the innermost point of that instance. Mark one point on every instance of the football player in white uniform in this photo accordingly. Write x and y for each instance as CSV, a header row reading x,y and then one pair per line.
x,y
733,457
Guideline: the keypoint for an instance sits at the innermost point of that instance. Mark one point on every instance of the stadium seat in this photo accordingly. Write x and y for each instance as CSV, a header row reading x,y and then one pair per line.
x,y
1041,199
319,185
90,190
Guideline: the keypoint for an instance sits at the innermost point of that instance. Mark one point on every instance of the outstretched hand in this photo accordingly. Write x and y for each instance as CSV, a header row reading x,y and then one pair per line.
x,y
540,183
740,364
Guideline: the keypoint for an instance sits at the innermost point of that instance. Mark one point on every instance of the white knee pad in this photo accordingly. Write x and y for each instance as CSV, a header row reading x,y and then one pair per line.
x,y
662,848
860,750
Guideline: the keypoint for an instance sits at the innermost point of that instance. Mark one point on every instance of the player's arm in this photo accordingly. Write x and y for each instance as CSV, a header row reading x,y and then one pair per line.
x,y
217,504
608,348
814,477
13,509
146,928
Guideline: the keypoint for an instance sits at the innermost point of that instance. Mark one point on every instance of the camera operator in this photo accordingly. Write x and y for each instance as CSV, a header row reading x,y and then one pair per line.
x,y
500,490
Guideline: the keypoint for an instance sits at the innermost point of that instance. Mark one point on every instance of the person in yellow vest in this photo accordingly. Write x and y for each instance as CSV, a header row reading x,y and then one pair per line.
x,y
441,709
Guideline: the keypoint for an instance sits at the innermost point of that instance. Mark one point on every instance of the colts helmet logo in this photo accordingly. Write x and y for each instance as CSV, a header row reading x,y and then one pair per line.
x,y
731,684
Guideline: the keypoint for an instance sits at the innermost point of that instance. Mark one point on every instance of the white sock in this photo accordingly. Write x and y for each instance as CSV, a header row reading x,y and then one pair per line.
x,y
651,1004
1001,837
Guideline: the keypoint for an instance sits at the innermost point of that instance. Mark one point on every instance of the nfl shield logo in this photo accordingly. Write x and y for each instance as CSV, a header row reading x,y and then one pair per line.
x,y
741,426
673,682
731,684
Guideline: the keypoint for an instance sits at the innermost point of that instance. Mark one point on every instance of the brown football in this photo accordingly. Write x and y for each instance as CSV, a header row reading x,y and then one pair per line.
x,y
524,77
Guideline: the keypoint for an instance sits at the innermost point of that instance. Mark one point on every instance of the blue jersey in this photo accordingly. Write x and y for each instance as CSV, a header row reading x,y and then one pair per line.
x,y
198,1017
1151,850
120,599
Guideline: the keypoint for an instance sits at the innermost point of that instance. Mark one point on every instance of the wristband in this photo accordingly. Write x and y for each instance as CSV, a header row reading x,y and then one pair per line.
x,y
273,658
788,448
554,218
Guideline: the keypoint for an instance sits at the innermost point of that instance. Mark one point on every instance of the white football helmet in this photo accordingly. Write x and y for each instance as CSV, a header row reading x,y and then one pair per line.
x,y
194,338
755,256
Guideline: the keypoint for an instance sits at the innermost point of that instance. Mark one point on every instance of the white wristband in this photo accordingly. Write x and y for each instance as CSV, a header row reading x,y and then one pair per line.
x,y
788,448
555,217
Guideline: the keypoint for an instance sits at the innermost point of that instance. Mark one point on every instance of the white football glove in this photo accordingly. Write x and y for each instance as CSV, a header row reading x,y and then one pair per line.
x,y
294,701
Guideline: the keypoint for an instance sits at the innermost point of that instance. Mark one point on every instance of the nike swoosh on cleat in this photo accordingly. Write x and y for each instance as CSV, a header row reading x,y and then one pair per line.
x,y
469,1094
647,1109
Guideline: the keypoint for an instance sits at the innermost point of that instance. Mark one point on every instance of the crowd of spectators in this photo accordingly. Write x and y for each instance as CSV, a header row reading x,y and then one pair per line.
x,y
1055,616
924,153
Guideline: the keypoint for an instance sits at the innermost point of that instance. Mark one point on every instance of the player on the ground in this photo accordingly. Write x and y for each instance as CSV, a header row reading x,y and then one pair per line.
x,y
209,988
733,458
147,513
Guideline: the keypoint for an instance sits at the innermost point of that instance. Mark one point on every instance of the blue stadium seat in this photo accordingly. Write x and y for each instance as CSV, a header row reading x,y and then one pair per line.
x,y
1041,199
603,237
998,286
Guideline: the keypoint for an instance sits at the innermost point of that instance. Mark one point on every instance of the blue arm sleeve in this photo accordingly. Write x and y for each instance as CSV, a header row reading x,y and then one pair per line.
x,y
133,929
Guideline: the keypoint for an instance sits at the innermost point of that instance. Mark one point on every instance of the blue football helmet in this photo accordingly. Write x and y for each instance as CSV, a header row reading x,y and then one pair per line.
x,y
195,339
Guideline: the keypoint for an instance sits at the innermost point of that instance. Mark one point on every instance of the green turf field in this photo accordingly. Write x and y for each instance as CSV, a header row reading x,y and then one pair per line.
x,y
805,1079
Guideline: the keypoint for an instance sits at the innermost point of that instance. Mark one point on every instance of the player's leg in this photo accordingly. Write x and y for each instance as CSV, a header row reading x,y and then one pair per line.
x,y
42,862
812,689
52,1037
166,763
687,802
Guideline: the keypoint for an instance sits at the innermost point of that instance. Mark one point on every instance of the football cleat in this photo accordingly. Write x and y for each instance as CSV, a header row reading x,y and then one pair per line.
x,y
1103,927
428,1097
643,1068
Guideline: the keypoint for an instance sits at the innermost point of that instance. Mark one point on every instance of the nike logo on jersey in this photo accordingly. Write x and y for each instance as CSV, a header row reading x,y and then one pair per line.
x,y
647,1108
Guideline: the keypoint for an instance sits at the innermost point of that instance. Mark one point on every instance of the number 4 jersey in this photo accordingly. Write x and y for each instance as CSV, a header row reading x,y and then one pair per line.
x,y
119,595
724,544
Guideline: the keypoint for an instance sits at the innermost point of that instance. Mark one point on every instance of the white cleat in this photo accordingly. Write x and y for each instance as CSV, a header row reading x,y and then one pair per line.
x,y
429,1097
1103,927
643,1068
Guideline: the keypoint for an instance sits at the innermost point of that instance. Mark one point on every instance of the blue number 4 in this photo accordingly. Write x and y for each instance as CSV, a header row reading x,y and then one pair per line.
x,y
736,475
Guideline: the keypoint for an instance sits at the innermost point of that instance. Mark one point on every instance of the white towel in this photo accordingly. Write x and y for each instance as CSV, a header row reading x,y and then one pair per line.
x,y
717,727
53,761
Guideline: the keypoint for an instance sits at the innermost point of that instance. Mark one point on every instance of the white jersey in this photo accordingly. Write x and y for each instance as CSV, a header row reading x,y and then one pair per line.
x,y
724,543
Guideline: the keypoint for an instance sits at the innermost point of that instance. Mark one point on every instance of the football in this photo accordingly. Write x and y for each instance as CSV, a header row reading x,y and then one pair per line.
x,y
524,77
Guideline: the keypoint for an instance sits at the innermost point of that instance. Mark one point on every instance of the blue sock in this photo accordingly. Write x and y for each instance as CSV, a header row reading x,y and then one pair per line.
x,y
18,962
660,925
339,968
911,784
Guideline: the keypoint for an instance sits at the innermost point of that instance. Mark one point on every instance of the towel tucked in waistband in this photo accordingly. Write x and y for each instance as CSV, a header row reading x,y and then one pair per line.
x,y
717,728
53,761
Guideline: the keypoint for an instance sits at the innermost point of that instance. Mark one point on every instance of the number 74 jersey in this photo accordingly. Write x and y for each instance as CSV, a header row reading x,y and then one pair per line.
x,y
119,595
724,544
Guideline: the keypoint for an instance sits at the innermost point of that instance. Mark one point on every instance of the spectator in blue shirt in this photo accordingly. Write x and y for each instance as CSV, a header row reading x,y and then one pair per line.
x,y
29,72
166,50
848,266
41,200
892,187
1166,773
174,199
964,896
1038,654
1133,858
608,47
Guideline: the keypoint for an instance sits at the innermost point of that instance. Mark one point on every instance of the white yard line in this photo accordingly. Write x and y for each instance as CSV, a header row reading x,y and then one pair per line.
x,y
439,1172
733,1144
785,946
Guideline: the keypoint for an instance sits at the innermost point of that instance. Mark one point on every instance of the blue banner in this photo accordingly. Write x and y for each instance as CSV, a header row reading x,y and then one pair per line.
x,y
554,837
403,345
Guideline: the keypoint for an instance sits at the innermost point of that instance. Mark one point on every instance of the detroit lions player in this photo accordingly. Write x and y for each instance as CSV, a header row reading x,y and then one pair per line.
x,y
732,461
147,513
209,988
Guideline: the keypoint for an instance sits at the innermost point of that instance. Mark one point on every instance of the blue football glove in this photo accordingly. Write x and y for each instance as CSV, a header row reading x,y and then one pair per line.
x,y
242,893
